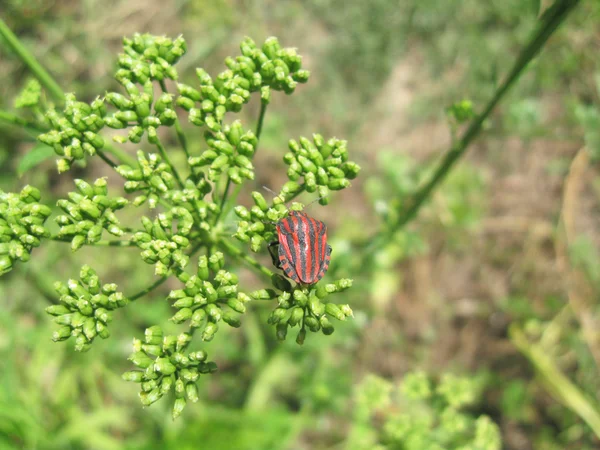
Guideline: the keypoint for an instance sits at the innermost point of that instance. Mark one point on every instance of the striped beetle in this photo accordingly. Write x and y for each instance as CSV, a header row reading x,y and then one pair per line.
x,y
303,251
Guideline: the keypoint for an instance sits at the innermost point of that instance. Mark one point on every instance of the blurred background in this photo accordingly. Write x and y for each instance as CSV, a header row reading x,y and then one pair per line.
x,y
491,291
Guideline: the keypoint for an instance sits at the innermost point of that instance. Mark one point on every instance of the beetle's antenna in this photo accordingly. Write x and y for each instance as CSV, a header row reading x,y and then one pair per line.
x,y
316,200
274,193
279,195
271,191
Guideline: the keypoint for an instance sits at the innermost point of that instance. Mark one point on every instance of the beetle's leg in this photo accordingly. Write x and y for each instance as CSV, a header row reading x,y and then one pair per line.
x,y
274,252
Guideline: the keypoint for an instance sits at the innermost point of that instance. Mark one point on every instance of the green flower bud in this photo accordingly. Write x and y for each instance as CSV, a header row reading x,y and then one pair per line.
x,y
153,335
164,366
334,311
301,336
263,294
134,375
140,359
57,310
300,298
231,320
191,392
61,334
282,329
178,407
214,312
312,323
316,307
326,326
209,331
296,316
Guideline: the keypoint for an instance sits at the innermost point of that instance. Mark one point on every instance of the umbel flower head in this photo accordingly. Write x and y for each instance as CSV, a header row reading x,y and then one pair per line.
x,y
74,133
270,67
164,366
85,308
88,213
21,226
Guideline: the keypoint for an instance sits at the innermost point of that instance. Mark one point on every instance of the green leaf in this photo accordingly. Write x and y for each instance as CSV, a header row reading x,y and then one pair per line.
x,y
34,157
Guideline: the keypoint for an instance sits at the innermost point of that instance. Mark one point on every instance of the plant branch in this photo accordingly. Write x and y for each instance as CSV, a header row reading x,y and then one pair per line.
x,y
31,62
149,289
229,203
240,255
106,159
13,119
103,243
120,154
261,118
178,129
557,383
551,20
165,156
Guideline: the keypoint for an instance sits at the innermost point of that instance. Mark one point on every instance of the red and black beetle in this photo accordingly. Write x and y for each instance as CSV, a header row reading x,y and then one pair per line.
x,y
303,251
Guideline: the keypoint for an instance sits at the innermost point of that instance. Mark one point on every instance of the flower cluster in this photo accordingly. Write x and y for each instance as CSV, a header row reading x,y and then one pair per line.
x,y
22,220
153,177
257,224
230,151
165,365
306,309
165,239
426,413
148,58
323,166
75,133
30,95
257,69
85,308
209,296
88,213
141,113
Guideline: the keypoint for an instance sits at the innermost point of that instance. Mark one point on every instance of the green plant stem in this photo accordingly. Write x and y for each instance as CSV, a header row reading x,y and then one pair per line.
x,y
106,159
149,289
120,154
178,129
223,199
36,128
103,243
558,384
165,156
227,204
553,17
261,119
232,250
31,62
12,119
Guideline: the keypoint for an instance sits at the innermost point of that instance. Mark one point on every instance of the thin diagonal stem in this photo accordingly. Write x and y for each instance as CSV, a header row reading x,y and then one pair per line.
x,y
31,62
552,19
242,256
149,289
13,119
165,156
261,119
120,154
228,203
178,129
106,159
103,243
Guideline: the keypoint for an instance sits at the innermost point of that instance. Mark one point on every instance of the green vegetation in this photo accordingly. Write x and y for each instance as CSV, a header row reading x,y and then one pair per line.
x,y
465,265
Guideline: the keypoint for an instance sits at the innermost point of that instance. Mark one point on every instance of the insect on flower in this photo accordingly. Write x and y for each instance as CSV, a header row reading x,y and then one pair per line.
x,y
303,251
